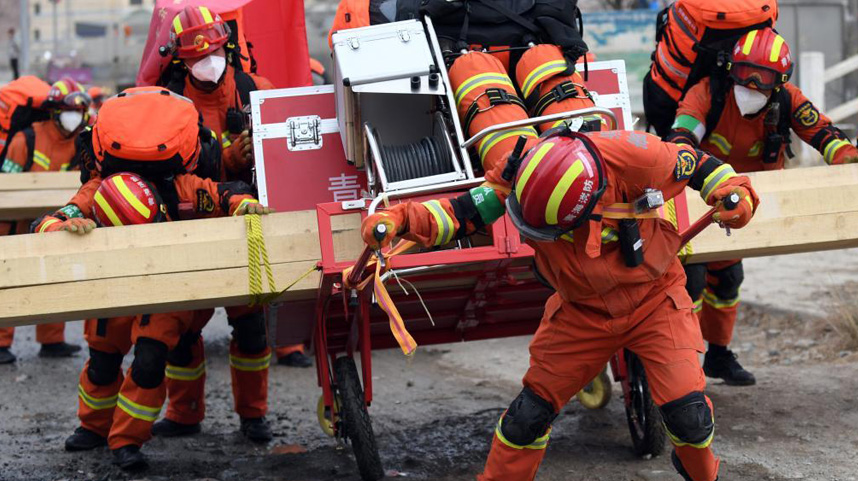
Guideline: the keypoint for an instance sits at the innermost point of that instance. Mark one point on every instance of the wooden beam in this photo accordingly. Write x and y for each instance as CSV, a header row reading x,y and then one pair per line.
x,y
186,265
40,181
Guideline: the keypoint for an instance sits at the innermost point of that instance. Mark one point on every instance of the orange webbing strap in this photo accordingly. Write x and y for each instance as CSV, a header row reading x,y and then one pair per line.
x,y
397,324
627,211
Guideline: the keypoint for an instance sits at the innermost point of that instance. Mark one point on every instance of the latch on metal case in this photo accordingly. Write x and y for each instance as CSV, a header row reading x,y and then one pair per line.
x,y
304,133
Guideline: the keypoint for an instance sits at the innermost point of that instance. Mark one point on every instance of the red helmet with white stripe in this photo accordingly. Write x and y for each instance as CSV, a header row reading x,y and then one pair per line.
x,y
557,185
762,58
127,199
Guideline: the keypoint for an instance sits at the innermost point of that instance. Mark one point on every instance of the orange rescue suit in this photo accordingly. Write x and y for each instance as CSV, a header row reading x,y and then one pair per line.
x,y
600,304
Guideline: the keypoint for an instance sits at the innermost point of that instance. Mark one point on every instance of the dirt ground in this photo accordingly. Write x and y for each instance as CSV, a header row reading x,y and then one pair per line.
x,y
434,415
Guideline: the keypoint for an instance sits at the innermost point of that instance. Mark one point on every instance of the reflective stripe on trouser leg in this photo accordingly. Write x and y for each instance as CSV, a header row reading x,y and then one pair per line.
x,y
249,381
97,403
509,463
137,409
700,463
718,318
186,388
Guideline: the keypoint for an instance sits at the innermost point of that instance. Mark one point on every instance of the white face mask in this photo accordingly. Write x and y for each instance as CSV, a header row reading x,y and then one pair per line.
x,y
71,120
209,69
750,101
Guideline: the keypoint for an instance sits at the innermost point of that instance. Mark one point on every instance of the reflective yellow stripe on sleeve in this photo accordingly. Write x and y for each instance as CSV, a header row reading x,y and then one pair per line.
x,y
830,150
243,203
714,180
41,160
46,224
442,220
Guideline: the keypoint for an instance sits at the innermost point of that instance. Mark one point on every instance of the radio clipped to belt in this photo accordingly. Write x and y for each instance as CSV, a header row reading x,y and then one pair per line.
x,y
631,243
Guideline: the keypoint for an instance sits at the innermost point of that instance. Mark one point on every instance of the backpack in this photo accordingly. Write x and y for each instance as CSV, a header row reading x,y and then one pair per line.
x,y
777,120
21,104
693,37
506,23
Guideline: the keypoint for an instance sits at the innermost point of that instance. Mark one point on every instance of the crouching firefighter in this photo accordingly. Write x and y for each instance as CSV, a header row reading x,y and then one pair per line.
x,y
745,117
572,198
159,189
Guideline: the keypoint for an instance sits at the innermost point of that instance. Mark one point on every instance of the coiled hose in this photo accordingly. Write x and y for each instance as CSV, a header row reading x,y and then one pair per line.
x,y
424,158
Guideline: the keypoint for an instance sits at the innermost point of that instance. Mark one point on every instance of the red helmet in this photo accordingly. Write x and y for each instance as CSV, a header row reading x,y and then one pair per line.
x,y
197,32
66,94
127,199
557,186
761,57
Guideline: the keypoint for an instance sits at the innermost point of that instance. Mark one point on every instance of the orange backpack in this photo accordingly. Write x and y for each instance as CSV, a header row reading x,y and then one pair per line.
x,y
146,130
21,104
692,34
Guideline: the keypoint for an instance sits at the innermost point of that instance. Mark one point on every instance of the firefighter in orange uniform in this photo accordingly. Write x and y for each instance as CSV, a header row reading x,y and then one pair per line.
x,y
44,147
570,199
205,67
127,199
745,119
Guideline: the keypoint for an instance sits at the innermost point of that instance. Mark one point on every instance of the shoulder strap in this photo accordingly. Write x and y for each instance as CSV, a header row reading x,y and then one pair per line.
x,y
30,139
718,90
784,120
244,84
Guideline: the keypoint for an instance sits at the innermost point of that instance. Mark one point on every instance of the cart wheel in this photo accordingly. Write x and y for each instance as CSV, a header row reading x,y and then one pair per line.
x,y
328,419
645,423
597,394
356,425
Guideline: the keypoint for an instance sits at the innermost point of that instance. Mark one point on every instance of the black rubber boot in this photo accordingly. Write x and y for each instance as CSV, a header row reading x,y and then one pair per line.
x,y
6,356
84,440
129,458
171,429
58,349
256,429
677,464
295,359
721,363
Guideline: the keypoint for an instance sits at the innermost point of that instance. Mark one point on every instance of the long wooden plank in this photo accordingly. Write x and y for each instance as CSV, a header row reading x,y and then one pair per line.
x,y
29,204
40,181
203,263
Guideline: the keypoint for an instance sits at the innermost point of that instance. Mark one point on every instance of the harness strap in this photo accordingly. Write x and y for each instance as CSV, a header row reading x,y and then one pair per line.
x,y
496,96
562,91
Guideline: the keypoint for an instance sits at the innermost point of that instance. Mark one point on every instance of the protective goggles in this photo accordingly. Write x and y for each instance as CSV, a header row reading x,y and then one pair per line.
x,y
199,40
762,77
75,101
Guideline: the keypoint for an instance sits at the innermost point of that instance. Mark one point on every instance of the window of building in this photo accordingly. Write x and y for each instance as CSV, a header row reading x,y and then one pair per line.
x,y
37,8
135,2
37,35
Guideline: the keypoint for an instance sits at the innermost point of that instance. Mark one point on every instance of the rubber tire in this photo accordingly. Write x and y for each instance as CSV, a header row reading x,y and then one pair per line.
x,y
597,394
648,436
356,424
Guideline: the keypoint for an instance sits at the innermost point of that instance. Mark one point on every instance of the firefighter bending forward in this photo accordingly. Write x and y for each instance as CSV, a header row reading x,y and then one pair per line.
x,y
746,119
568,198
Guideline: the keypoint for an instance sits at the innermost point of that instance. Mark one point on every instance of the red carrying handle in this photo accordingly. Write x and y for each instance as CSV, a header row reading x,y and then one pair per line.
x,y
730,202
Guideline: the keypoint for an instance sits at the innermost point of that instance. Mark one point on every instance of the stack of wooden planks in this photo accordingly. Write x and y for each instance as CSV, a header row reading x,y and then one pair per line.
x,y
28,195
186,265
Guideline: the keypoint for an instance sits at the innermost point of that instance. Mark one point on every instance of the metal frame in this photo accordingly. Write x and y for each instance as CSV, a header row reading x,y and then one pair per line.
x,y
620,99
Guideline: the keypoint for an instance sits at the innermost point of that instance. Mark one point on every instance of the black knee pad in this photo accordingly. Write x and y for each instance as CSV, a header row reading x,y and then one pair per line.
x,y
689,420
150,360
695,280
729,281
250,333
182,354
527,419
104,367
